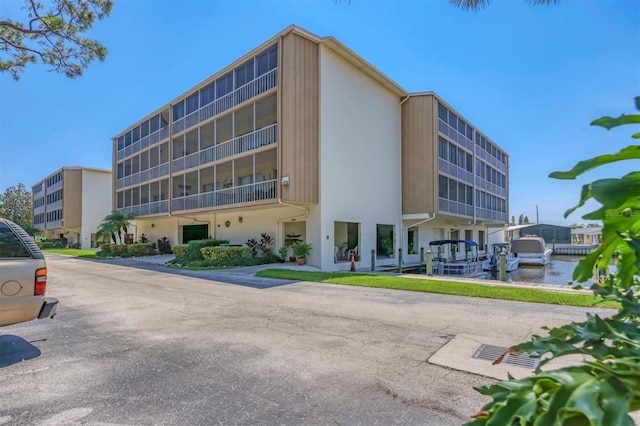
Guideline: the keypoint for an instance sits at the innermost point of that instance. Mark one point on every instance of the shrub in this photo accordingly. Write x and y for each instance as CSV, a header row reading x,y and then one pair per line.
x,y
143,238
223,253
181,251
196,246
107,249
119,250
45,244
140,249
164,246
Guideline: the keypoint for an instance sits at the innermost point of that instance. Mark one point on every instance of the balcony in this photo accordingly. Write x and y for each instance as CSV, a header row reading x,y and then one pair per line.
x,y
491,215
253,88
490,187
54,224
143,176
240,194
455,171
54,187
157,207
261,137
490,159
448,206
144,142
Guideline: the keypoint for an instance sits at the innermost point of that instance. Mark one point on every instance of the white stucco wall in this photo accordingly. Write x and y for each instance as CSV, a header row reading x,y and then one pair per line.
x,y
96,203
254,222
360,158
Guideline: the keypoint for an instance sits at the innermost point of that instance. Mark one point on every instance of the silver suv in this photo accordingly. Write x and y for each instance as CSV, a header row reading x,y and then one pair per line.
x,y
23,277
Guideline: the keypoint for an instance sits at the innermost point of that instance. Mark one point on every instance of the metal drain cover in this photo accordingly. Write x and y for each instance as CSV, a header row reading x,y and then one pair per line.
x,y
491,353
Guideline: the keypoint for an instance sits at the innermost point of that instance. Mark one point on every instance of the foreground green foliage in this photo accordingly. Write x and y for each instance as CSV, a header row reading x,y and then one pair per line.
x,y
52,32
441,287
604,389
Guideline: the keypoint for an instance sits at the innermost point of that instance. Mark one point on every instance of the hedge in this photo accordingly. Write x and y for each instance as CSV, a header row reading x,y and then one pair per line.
x,y
196,246
107,248
119,250
141,249
181,251
45,244
223,253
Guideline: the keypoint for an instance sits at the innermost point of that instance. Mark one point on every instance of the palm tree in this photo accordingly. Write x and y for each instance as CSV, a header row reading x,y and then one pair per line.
x,y
476,5
115,223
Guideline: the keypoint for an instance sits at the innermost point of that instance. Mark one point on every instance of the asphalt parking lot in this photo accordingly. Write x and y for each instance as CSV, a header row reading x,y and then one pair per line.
x,y
135,345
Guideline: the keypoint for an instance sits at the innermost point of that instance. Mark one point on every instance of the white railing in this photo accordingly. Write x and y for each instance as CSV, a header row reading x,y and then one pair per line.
x,y
240,194
455,171
454,135
53,224
491,187
157,207
490,159
490,215
144,142
448,206
143,176
261,137
253,88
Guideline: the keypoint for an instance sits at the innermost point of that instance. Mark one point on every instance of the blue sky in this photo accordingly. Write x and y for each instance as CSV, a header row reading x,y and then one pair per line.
x,y
531,77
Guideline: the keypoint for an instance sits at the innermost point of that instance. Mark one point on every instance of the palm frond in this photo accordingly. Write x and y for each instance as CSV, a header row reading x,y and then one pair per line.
x,y
474,5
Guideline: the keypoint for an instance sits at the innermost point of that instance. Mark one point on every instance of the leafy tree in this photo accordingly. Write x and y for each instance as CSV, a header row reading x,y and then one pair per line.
x,y
52,31
526,220
476,5
16,204
115,224
605,387
513,220
521,219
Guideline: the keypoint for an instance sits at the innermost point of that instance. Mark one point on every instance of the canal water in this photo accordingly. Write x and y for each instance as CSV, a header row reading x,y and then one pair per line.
x,y
558,272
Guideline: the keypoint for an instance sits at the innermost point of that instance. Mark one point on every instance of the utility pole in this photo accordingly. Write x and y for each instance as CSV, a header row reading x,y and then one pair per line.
x,y
537,217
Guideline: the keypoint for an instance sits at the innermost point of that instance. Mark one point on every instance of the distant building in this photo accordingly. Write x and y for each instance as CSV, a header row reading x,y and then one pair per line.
x,y
586,236
71,202
549,233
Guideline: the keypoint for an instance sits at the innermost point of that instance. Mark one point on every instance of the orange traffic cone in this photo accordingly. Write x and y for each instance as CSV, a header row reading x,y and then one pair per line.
x,y
353,262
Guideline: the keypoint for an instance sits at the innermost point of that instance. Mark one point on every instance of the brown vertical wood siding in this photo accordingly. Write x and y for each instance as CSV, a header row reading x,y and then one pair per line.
x,y
419,167
299,106
72,198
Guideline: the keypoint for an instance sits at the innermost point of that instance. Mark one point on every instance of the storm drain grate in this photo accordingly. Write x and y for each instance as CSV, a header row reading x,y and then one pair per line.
x,y
491,353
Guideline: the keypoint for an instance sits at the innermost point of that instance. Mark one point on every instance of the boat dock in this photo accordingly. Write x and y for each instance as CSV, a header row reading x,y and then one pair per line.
x,y
572,250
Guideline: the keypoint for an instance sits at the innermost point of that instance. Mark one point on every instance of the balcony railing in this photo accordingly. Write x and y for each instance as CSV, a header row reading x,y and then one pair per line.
x,y
144,142
261,137
493,188
490,215
54,224
143,176
55,205
157,207
253,88
455,171
54,187
454,207
240,194
454,135
490,159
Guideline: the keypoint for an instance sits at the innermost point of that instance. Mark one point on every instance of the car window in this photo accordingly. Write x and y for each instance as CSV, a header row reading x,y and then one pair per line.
x,y
10,245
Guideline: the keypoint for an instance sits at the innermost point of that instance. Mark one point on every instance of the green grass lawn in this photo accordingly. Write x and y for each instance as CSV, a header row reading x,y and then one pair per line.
x,y
441,287
89,254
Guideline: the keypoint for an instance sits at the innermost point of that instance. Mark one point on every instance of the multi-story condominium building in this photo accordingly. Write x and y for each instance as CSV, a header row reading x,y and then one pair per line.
x,y
303,137
71,202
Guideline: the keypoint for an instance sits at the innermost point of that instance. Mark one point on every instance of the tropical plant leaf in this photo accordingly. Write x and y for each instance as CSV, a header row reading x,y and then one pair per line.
x,y
628,153
610,122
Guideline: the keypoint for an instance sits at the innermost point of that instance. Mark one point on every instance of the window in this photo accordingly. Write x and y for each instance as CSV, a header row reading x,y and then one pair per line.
x,y
207,94
127,139
135,135
453,120
346,237
154,124
468,235
442,112
244,73
224,85
192,103
443,190
266,61
120,143
442,148
385,241
178,111
481,240
469,165
144,129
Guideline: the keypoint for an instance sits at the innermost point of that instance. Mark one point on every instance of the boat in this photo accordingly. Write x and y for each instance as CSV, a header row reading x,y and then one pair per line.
x,y
531,250
491,263
446,261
